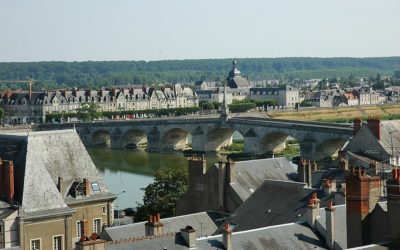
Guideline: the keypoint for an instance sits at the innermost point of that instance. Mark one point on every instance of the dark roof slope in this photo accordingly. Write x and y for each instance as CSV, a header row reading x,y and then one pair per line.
x,y
273,203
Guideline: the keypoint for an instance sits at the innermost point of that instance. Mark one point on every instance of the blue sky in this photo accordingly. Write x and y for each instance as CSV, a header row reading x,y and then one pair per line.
x,y
81,30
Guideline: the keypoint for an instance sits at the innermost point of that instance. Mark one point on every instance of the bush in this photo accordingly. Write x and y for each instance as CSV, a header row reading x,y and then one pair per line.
x,y
241,107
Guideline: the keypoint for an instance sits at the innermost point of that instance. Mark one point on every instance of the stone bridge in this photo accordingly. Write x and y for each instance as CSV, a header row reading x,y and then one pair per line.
x,y
261,135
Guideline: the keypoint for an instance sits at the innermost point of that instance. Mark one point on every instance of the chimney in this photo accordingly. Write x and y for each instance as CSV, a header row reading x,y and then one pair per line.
x,y
309,174
362,194
86,183
373,167
113,92
314,166
153,226
329,186
8,180
393,203
312,210
230,171
330,225
196,170
227,237
374,125
189,236
60,184
301,170
357,124
84,228
344,165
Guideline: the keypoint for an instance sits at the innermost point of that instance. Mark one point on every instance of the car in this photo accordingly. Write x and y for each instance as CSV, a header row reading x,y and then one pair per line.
x,y
129,211
119,214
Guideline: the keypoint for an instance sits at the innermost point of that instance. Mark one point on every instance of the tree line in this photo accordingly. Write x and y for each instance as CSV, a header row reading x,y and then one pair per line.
x,y
93,74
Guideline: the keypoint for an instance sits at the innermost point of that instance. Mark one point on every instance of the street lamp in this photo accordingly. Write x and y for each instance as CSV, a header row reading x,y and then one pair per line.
x,y
118,212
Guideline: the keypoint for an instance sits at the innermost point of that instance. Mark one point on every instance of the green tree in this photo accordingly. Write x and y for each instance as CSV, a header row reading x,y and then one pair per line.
x,y
206,105
162,195
397,74
1,114
88,111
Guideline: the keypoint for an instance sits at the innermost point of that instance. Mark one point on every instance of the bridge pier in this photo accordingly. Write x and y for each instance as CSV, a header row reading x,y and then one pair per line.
x,y
154,143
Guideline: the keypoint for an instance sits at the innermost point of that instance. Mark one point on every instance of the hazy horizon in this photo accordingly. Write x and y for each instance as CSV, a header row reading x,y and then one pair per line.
x,y
154,30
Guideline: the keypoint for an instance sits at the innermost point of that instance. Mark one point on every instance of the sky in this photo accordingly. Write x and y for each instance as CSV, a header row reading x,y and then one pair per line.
x,y
97,30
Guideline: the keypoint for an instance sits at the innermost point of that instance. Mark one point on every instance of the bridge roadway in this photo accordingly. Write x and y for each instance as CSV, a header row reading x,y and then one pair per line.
x,y
210,133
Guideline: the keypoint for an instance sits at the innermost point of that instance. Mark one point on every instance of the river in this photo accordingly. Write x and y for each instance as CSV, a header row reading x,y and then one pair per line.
x,y
129,171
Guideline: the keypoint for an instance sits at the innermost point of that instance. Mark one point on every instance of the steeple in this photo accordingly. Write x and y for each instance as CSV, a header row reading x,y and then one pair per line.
x,y
225,108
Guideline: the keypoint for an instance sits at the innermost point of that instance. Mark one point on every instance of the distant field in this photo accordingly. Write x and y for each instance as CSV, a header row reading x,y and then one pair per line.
x,y
340,114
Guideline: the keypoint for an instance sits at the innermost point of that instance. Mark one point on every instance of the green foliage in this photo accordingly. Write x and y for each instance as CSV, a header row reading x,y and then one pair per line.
x,y
88,112
265,102
1,113
206,105
305,104
107,73
162,195
236,146
241,107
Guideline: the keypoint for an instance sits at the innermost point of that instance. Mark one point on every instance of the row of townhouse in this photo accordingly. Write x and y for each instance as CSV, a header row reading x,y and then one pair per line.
x,y
348,97
22,107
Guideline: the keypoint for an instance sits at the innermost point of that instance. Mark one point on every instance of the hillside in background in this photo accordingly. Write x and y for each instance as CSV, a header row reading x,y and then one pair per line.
x,y
111,73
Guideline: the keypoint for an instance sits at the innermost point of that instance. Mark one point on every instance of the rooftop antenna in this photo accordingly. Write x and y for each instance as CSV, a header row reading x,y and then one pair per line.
x,y
391,141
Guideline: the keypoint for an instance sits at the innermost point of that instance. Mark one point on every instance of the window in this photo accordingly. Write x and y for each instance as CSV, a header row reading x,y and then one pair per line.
x,y
103,210
96,225
57,242
78,229
35,244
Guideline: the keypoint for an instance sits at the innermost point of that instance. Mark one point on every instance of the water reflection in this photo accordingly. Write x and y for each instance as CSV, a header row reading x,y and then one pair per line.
x,y
133,170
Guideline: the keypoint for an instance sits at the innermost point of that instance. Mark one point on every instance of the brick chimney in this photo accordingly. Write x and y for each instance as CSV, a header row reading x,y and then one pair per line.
x,y
393,202
153,226
329,186
312,210
374,125
302,170
357,124
84,227
330,225
314,166
86,183
362,194
196,170
7,180
189,236
227,237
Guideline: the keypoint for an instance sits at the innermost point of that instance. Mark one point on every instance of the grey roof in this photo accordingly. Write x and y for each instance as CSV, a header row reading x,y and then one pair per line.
x,y
251,174
287,236
390,130
273,203
205,223
39,159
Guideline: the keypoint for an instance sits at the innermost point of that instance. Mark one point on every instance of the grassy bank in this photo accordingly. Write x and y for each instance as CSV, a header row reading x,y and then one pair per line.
x,y
340,114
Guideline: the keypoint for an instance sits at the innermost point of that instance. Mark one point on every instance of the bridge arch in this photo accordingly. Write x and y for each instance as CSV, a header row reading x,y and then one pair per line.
x,y
275,142
133,139
221,137
175,139
330,147
101,138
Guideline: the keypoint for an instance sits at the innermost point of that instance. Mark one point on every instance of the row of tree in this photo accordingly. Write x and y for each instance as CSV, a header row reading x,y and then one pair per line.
x,y
89,112
111,73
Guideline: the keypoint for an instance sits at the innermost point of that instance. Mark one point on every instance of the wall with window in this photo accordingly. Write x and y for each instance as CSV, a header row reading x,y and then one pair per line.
x,y
43,234
9,231
94,212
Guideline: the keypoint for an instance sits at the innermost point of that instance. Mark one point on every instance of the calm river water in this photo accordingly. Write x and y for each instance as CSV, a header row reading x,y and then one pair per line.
x,y
131,171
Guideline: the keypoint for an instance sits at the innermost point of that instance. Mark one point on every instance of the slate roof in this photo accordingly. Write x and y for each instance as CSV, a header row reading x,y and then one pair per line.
x,y
205,223
273,203
251,174
288,236
39,159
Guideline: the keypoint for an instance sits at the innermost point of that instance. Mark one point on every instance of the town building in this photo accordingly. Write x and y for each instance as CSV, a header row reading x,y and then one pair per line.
x,y
22,108
286,96
51,191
